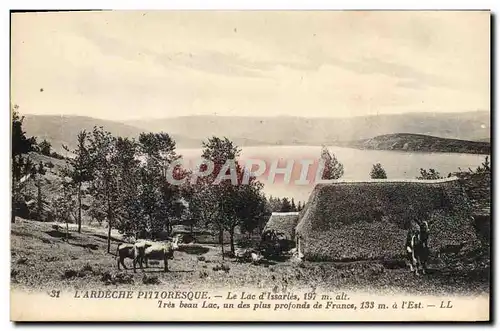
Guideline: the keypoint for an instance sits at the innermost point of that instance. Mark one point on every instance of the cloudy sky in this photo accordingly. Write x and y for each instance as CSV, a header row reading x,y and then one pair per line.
x,y
124,65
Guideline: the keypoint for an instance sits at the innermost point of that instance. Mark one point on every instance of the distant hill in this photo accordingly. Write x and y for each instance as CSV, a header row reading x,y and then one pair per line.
x,y
190,131
61,130
288,130
420,143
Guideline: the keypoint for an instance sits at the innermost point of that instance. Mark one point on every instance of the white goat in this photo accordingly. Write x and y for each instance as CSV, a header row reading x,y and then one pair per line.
x,y
161,251
132,251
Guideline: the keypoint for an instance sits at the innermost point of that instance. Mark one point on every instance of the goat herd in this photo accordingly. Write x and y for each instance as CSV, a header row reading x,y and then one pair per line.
x,y
142,251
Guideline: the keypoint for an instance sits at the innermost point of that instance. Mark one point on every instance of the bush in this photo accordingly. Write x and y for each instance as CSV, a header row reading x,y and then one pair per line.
x,y
223,267
44,147
20,208
123,278
431,174
150,280
68,274
378,172
22,260
52,258
87,267
106,278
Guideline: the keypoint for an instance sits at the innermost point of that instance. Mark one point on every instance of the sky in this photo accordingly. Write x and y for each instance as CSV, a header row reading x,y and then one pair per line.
x,y
153,64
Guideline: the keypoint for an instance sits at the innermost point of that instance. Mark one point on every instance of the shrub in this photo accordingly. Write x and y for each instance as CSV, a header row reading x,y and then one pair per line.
x,y
150,280
22,260
52,258
106,278
223,267
123,278
378,172
68,274
431,174
87,267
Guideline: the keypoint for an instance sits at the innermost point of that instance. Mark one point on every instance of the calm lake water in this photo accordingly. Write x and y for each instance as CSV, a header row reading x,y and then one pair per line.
x,y
357,164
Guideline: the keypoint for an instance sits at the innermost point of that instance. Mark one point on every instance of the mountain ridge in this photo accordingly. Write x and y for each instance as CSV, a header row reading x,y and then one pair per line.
x,y
409,142
189,131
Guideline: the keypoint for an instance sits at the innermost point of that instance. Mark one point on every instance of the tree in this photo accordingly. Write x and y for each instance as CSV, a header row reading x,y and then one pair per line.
x,y
22,166
129,209
21,144
80,168
225,203
293,207
429,175
286,206
40,170
484,167
219,151
96,212
248,206
158,198
205,205
219,195
274,204
104,186
64,205
44,147
378,172
333,168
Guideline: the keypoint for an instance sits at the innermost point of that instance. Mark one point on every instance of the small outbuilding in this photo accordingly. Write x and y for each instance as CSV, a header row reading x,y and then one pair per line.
x,y
280,229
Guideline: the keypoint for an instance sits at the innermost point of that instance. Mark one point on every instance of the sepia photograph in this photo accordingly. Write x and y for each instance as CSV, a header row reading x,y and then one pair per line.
x,y
246,165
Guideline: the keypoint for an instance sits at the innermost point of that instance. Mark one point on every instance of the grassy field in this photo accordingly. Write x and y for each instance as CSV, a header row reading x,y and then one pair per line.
x,y
42,260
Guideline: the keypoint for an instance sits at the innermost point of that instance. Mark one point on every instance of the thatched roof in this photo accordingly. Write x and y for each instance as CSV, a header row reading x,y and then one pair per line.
x,y
478,189
369,219
284,223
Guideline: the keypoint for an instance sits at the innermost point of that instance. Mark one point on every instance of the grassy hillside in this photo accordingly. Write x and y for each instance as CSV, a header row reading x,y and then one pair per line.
x,y
51,189
41,259
420,143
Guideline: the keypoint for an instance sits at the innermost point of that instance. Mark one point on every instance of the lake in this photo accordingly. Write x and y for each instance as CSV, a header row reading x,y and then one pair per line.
x,y
357,164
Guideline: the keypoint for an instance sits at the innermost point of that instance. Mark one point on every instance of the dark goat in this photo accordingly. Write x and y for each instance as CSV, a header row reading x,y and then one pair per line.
x,y
417,248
